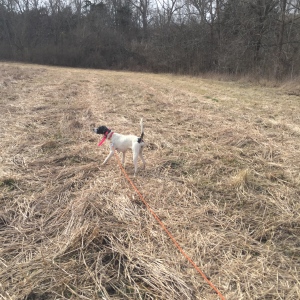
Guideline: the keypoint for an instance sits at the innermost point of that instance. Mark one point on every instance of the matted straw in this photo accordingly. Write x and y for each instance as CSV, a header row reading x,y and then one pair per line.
x,y
222,174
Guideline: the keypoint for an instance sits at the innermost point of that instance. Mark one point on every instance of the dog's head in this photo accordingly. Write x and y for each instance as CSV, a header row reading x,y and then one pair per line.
x,y
101,130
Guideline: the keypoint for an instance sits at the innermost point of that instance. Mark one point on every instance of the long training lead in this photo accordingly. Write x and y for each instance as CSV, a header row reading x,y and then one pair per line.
x,y
167,231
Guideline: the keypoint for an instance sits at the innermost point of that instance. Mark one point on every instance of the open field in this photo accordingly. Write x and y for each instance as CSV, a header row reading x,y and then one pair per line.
x,y
223,173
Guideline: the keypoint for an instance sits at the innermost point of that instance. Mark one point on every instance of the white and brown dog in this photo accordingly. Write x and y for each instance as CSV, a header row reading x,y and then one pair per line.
x,y
122,143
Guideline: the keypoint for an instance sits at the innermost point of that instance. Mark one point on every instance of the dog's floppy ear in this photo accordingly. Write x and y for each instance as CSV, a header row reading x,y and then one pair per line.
x,y
100,129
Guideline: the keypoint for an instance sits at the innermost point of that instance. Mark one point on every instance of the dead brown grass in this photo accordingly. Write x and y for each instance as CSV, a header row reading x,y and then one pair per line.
x,y
223,175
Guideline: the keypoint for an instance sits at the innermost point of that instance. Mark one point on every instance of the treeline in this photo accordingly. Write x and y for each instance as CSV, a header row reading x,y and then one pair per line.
x,y
261,37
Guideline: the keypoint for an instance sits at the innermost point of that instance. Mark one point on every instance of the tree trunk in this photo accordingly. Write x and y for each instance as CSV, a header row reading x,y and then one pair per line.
x,y
278,65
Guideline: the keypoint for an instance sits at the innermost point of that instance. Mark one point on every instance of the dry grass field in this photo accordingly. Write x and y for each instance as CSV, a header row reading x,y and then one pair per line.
x,y
223,174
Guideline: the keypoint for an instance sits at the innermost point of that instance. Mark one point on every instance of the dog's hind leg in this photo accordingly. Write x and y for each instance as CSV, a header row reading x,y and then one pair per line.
x,y
135,162
142,157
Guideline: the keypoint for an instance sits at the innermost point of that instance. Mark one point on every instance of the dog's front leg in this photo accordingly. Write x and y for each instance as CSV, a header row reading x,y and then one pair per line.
x,y
111,153
123,158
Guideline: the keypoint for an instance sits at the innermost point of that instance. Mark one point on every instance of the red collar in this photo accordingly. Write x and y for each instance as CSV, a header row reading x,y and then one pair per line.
x,y
107,135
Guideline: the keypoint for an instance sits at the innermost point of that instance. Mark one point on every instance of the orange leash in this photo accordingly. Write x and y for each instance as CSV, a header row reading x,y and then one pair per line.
x,y
168,232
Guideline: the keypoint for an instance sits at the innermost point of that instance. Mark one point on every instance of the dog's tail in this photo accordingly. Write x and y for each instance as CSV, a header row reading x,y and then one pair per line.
x,y
142,131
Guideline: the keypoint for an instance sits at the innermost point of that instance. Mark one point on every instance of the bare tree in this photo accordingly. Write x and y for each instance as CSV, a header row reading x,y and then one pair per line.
x,y
187,36
166,10
143,7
